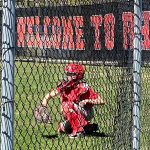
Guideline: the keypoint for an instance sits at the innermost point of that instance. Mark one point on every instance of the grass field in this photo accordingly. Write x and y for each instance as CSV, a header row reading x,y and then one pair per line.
x,y
34,80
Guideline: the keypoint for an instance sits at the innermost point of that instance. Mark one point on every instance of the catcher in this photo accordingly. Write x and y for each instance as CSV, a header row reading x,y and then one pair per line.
x,y
77,100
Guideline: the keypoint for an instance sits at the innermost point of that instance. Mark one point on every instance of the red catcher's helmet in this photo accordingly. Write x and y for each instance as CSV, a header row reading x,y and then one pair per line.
x,y
77,70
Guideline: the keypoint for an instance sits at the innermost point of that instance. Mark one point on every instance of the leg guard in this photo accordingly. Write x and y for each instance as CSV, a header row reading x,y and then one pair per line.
x,y
75,118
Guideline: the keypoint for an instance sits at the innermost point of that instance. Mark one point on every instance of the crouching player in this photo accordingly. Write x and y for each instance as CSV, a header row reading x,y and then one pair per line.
x,y
77,100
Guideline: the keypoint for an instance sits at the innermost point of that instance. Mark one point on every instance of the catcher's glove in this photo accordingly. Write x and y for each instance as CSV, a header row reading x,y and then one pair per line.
x,y
42,115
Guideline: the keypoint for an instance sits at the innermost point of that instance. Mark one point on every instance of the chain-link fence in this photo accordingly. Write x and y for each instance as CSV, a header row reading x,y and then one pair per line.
x,y
97,34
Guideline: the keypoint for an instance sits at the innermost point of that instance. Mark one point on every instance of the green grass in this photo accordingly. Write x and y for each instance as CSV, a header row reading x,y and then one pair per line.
x,y
145,111
34,80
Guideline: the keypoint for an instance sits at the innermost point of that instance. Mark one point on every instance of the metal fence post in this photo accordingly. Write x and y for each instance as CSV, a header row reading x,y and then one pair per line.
x,y
136,73
8,50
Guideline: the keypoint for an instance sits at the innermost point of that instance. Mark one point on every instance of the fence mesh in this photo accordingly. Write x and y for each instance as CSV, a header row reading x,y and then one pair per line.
x,y
51,34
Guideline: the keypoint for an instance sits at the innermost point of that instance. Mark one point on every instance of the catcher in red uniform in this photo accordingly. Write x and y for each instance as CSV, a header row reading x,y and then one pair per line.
x,y
77,100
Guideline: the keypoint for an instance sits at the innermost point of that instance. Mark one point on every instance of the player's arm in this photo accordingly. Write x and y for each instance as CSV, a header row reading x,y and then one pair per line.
x,y
95,101
49,96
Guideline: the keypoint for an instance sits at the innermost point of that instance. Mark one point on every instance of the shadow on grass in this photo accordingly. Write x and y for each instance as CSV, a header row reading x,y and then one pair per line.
x,y
99,134
94,134
50,136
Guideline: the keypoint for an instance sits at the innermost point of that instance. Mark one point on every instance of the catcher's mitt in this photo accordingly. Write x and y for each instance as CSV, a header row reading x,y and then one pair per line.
x,y
42,115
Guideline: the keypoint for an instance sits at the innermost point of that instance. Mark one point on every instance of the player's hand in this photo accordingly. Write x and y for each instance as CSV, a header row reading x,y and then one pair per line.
x,y
83,103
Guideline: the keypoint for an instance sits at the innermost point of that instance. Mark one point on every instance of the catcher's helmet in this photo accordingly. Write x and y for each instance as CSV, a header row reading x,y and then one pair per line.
x,y
76,70
75,73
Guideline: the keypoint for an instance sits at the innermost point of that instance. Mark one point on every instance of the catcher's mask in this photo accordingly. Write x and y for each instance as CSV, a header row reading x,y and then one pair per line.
x,y
74,72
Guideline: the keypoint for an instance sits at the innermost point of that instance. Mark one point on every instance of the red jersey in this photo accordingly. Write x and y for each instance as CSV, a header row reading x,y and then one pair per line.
x,y
77,93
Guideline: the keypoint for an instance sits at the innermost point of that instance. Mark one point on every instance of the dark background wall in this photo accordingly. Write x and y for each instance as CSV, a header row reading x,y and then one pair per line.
x,y
117,53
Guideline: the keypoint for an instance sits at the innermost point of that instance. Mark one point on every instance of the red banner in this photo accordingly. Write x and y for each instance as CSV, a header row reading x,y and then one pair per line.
x,y
67,33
